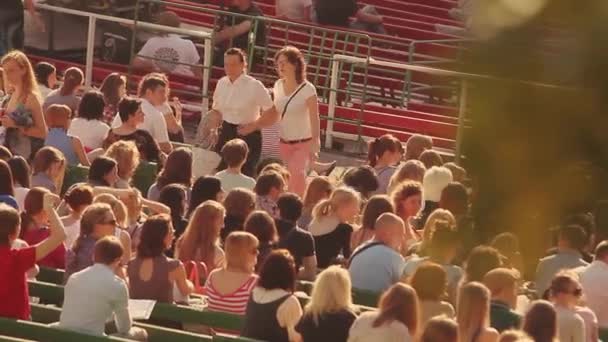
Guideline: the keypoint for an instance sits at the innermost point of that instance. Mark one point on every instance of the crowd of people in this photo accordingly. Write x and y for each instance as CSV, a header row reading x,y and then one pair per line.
x,y
398,228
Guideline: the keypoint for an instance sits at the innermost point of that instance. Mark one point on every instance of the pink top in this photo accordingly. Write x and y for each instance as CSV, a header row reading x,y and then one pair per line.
x,y
55,259
235,302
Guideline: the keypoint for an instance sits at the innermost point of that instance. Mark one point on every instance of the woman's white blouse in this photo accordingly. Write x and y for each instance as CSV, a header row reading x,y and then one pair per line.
x,y
295,124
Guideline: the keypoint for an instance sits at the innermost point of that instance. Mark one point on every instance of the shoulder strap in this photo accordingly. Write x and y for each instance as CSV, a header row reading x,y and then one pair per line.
x,y
291,98
362,249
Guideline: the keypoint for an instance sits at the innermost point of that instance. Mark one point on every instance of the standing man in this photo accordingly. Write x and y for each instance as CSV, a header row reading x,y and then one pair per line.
x,y
11,23
239,99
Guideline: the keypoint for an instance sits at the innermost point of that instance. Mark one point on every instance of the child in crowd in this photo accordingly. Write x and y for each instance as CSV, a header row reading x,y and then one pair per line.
x,y
14,299
331,225
235,154
269,186
34,227
48,169
78,198
58,119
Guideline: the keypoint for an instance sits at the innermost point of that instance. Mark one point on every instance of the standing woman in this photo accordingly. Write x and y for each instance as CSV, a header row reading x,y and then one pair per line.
x,y
473,315
113,88
296,100
23,140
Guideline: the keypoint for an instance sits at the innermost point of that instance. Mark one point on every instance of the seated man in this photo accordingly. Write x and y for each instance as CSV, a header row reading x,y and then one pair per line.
x,y
95,294
502,283
169,53
234,30
377,264
338,12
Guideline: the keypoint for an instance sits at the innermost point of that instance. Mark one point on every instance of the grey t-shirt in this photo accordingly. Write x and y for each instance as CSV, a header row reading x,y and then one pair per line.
x,y
55,97
233,180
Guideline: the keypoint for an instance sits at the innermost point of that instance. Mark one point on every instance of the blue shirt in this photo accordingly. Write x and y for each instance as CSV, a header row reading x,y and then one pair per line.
x,y
59,139
376,268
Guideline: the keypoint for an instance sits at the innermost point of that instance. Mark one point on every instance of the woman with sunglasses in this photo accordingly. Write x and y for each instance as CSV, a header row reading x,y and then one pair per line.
x,y
575,323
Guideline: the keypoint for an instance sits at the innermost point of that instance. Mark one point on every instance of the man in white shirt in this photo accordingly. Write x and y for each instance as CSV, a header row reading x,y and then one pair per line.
x,y
377,264
95,294
594,279
153,93
239,99
169,53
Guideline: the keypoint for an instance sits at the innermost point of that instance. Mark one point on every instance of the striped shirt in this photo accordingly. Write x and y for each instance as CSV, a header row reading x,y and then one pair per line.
x,y
270,142
235,302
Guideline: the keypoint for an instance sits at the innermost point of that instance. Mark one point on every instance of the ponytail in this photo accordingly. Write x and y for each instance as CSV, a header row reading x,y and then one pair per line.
x,y
380,145
372,152
323,209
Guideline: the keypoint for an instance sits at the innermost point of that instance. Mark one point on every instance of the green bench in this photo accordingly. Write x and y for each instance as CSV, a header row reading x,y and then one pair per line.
x,y
12,339
603,334
42,332
74,174
50,275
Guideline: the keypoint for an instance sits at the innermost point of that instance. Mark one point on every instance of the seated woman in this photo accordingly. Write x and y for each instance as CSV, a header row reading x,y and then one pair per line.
x,y
89,125
113,88
331,227
46,77
329,314
174,197
430,281
78,198
58,121
126,155
121,214
262,226
411,170
152,275
177,169
395,320
66,94
228,288
205,188
103,172
239,203
20,170
96,222
384,155
318,189
200,242
273,311
48,169
407,201
376,206
34,227
131,116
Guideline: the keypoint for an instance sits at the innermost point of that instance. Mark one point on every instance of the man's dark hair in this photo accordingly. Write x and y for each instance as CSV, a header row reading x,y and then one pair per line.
x,y
575,236
363,179
236,52
290,206
267,181
127,107
91,106
108,250
278,271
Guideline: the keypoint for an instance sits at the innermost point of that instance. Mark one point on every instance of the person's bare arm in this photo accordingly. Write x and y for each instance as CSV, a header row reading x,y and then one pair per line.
x,y
165,147
57,232
156,207
230,32
79,149
369,18
143,63
39,129
309,269
268,118
181,281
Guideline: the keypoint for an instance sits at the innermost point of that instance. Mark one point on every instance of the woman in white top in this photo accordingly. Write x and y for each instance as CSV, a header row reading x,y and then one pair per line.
x,y
296,101
273,311
89,125
395,321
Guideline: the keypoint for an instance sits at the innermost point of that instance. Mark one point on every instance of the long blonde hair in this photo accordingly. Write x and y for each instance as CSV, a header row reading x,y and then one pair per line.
x,y
410,170
29,84
399,303
473,310
429,226
201,234
318,189
331,293
340,197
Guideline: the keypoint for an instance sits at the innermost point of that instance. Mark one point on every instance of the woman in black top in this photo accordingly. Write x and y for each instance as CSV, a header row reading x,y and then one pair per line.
x,y
174,196
329,315
205,188
132,116
262,226
330,226
239,204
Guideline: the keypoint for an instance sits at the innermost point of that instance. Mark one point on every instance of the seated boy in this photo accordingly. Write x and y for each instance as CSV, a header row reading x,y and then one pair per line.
x,y
296,240
234,154
15,263
269,186
106,295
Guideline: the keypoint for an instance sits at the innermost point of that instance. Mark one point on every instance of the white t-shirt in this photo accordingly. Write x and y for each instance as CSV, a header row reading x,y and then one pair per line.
x,y
20,193
240,101
232,180
292,9
154,122
295,124
91,132
173,49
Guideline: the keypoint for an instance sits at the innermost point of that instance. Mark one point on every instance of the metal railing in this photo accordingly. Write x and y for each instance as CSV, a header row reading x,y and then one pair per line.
x,y
91,35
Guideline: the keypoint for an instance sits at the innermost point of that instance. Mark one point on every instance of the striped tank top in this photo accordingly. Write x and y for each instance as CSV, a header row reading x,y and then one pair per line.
x,y
235,302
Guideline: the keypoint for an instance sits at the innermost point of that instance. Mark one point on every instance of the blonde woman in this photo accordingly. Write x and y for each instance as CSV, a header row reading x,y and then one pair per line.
x,y
201,240
407,201
473,315
331,225
395,321
318,189
412,170
228,288
422,248
22,138
122,218
127,157
329,314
